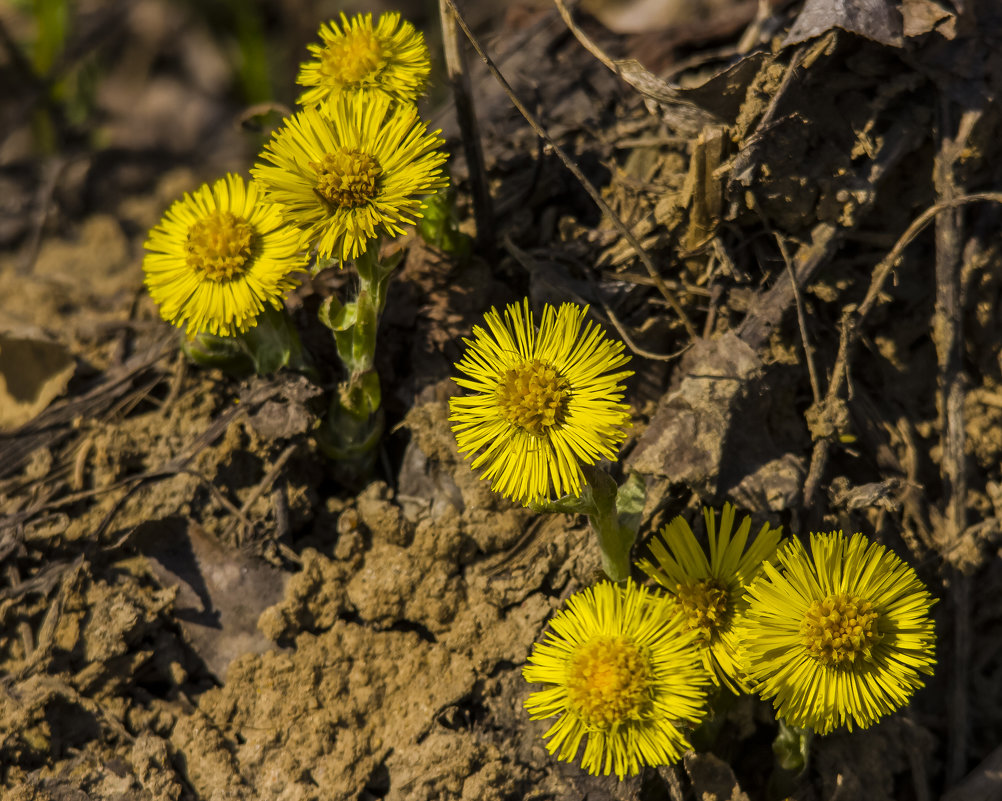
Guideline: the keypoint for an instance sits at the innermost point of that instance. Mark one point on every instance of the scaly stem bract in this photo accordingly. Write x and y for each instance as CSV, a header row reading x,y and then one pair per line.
x,y
355,422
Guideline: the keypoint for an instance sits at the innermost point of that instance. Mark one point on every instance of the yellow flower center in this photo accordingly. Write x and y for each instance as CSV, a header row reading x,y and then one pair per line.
x,y
353,57
609,681
218,247
533,396
704,605
840,630
348,178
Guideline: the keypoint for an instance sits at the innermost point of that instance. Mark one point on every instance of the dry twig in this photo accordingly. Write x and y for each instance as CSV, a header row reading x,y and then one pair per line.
x,y
949,341
596,196
528,263
263,486
675,111
852,320
459,80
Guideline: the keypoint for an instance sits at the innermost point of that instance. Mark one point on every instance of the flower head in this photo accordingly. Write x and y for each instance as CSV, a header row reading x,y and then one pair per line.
x,y
710,591
388,59
545,400
622,674
838,636
218,256
354,170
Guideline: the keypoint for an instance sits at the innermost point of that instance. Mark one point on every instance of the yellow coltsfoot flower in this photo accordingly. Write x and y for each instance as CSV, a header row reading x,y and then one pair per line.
x,y
546,401
622,675
388,59
218,256
352,170
709,591
839,636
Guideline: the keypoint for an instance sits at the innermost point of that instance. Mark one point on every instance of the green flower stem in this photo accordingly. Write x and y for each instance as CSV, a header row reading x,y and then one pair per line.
x,y
270,345
355,421
614,513
614,541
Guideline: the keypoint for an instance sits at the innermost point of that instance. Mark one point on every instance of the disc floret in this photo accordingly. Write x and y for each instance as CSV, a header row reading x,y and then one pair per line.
x,y
840,630
533,395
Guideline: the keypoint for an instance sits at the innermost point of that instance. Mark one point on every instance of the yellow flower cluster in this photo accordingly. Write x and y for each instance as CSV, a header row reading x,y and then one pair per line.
x,y
836,637
353,164
840,635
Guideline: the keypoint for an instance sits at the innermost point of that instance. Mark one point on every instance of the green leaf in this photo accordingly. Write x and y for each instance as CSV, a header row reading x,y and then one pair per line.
x,y
438,226
273,343
603,487
335,315
368,260
322,263
340,318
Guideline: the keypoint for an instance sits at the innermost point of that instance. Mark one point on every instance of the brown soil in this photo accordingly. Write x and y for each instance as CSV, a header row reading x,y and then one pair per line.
x,y
194,606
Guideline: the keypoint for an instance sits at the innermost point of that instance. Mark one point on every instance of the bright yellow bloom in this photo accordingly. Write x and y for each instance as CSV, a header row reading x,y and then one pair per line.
x,y
545,400
390,59
840,635
354,170
623,675
710,591
218,256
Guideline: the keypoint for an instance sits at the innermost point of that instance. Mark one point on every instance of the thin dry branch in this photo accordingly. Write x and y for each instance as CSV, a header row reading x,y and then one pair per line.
x,y
179,464
586,41
263,486
459,81
596,196
56,423
853,319
647,354
131,484
798,303
949,341
676,112
770,308
528,263
801,321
